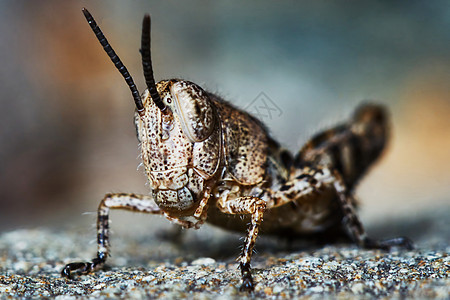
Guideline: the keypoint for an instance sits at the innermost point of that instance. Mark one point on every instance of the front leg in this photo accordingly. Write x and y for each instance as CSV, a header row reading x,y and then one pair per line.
x,y
132,202
255,207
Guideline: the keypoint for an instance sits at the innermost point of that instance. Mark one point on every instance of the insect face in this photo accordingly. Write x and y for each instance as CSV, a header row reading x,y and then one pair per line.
x,y
169,139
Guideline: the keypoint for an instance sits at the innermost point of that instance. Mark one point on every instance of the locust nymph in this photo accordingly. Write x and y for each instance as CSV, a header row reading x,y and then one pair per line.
x,y
207,160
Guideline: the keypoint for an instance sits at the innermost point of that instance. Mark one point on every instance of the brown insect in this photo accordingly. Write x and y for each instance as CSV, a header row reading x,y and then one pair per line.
x,y
206,160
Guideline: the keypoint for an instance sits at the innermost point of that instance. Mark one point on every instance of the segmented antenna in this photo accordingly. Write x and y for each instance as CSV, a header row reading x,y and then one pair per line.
x,y
147,63
115,59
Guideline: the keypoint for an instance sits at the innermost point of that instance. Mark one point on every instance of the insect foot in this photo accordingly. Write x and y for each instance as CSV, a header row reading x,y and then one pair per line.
x,y
387,244
208,161
83,267
247,280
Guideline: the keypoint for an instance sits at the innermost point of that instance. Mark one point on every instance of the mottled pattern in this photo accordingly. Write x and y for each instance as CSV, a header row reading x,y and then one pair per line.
x,y
206,154
196,182
245,145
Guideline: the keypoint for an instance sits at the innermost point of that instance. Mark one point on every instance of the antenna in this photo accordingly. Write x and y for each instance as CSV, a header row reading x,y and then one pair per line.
x,y
147,63
115,59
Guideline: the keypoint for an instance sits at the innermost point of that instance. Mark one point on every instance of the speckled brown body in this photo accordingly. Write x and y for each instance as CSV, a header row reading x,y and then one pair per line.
x,y
206,160
318,210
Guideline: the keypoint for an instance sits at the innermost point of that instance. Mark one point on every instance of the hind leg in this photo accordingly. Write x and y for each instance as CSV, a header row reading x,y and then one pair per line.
x,y
354,227
310,183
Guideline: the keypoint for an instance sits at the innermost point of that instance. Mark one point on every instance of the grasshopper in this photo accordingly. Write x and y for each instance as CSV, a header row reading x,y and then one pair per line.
x,y
207,160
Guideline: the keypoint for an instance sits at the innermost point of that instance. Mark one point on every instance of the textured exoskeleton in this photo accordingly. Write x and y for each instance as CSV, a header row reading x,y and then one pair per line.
x,y
209,161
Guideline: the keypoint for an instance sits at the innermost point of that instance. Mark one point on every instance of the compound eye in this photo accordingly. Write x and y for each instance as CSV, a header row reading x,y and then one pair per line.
x,y
194,109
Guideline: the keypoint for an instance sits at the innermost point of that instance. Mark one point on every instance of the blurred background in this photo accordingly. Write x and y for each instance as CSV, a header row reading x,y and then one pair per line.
x,y
66,130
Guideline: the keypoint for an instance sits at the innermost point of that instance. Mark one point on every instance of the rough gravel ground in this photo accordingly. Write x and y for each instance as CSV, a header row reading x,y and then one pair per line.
x,y
202,265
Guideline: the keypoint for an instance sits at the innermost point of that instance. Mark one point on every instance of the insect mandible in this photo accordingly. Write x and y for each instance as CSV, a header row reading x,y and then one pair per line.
x,y
207,160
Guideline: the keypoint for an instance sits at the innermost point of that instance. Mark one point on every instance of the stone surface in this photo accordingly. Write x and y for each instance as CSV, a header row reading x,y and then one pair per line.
x,y
202,265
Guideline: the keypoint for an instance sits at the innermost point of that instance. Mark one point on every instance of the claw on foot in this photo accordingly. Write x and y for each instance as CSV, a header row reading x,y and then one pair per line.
x,y
79,267
83,267
247,280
